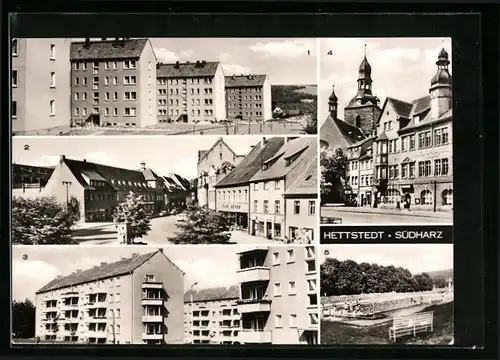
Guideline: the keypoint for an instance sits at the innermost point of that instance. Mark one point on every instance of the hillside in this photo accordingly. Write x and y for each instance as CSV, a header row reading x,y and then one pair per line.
x,y
295,97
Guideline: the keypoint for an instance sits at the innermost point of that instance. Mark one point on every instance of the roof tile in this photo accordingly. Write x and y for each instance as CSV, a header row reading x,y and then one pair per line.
x,y
107,49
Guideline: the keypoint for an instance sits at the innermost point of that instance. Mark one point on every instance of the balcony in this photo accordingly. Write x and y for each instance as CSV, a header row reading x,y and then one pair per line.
x,y
146,336
258,273
249,336
152,302
97,334
69,306
98,319
254,305
152,285
152,319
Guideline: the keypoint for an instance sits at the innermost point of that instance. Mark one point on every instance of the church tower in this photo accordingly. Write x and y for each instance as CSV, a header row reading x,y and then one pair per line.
x,y
333,102
363,110
441,90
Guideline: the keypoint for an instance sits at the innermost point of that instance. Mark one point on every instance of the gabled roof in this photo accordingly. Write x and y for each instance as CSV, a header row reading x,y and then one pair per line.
x,y
213,294
107,49
402,108
245,80
277,168
251,164
307,182
339,134
149,175
29,170
203,153
187,69
420,105
103,271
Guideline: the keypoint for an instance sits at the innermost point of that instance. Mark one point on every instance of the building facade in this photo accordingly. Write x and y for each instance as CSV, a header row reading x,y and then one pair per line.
x,y
211,316
28,180
279,295
218,156
113,83
248,97
233,191
138,300
191,92
40,83
269,185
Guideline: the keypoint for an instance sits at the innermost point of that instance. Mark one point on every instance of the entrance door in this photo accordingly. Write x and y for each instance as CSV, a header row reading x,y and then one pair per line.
x,y
269,229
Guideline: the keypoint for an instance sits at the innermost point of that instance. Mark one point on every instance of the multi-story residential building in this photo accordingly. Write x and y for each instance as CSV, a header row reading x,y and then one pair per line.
x,y
248,97
233,191
301,202
137,300
279,295
28,180
158,184
214,175
98,188
40,83
211,316
218,155
408,157
191,92
113,82
269,185
176,191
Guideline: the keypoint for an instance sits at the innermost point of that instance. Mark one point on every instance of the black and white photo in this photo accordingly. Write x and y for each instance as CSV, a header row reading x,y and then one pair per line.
x,y
387,294
385,106
161,190
164,86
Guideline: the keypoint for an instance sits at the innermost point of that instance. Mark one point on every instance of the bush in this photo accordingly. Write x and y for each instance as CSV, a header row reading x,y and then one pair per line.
x,y
43,221
132,210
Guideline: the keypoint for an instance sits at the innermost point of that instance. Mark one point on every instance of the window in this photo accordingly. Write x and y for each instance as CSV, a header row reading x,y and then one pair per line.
x,y
106,80
441,167
296,207
129,80
84,112
278,319
117,297
255,186
277,289
266,185
106,112
277,184
115,65
130,95
293,320
277,207
441,136
52,105
255,205
52,79
115,96
52,52
266,206
291,288
276,258
129,64
14,109
149,278
290,255
115,80
424,168
311,285
426,197
424,139
115,112
77,80
14,78
84,65
14,47
412,142
84,80
77,112
312,207
448,197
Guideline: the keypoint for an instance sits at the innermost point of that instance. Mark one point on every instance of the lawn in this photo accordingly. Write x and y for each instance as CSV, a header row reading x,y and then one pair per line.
x,y
335,333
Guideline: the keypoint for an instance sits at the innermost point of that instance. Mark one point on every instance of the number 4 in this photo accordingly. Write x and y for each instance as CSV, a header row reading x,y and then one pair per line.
x,y
329,52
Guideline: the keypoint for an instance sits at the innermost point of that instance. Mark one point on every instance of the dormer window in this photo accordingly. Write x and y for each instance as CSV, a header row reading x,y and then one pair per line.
x,y
416,119
264,167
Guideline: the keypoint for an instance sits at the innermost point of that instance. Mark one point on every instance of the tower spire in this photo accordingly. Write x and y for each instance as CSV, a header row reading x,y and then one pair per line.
x,y
365,49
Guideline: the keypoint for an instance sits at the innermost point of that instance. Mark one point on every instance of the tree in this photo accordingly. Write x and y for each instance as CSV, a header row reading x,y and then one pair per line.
x,y
203,226
23,319
43,221
311,126
133,211
333,171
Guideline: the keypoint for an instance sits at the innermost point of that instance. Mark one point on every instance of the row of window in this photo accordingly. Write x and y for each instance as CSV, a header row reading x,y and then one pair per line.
x,y
426,139
127,95
90,196
366,180
197,91
196,102
246,97
15,79
311,208
51,49
172,112
441,168
249,113
184,81
245,89
127,64
246,105
363,165
127,80
128,111
426,197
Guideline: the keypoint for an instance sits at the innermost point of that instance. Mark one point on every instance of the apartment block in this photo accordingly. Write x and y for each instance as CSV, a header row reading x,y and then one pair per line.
x,y
191,92
211,316
233,191
268,187
279,295
137,300
248,97
113,83
212,165
40,83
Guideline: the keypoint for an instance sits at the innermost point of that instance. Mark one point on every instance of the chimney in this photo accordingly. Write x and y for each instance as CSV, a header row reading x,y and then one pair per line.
x,y
62,158
188,62
234,76
84,160
160,250
177,64
204,62
143,166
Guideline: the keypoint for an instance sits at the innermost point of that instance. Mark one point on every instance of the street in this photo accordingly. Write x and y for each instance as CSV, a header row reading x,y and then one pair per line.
x,y
161,229
358,216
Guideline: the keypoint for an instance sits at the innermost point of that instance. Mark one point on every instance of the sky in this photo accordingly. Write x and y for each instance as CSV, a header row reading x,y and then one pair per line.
x,y
165,154
401,68
417,258
34,266
287,61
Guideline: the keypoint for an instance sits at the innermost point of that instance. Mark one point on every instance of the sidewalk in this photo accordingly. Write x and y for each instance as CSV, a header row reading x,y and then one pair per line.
x,y
92,225
403,212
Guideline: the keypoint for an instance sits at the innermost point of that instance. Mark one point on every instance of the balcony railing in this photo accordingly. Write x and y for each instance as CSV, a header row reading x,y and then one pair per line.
x,y
254,305
257,273
152,318
152,285
152,301
152,336
254,336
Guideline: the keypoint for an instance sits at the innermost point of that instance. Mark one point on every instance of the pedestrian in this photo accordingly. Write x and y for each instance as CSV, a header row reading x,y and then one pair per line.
x,y
409,202
398,205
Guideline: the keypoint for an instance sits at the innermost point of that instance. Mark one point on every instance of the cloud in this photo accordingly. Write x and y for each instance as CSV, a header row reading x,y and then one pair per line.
x,y
224,57
47,160
29,276
235,69
185,167
187,54
165,56
285,49
207,273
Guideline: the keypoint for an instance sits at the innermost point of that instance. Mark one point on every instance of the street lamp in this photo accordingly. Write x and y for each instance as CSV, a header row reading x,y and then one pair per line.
x,y
192,317
67,184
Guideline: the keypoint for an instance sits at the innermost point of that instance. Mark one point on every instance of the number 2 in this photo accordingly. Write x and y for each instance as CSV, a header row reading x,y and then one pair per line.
x,y
26,147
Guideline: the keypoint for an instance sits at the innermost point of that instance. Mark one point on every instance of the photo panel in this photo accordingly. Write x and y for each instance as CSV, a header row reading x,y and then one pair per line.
x,y
164,86
385,108
387,294
208,295
165,190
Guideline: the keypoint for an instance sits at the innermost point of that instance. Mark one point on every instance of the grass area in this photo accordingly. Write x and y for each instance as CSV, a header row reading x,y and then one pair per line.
x,y
336,333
